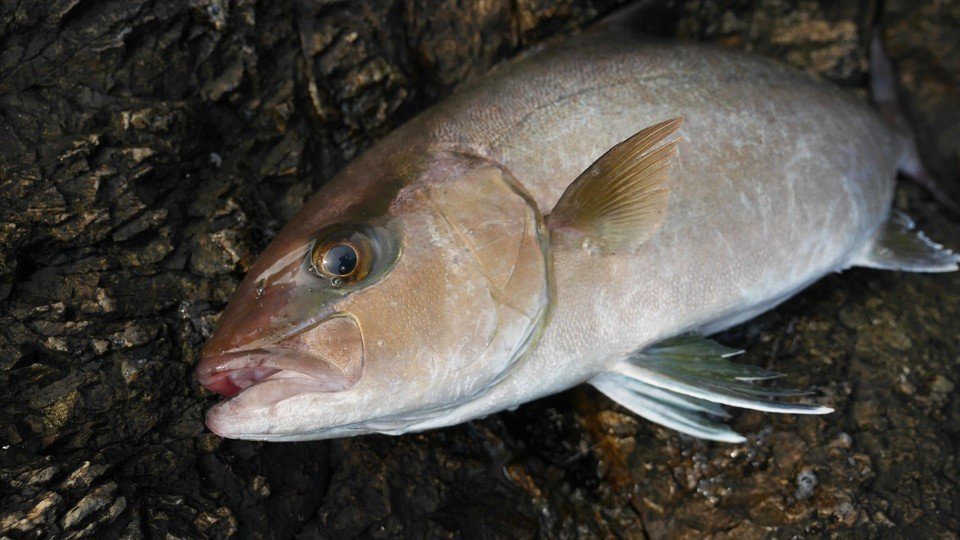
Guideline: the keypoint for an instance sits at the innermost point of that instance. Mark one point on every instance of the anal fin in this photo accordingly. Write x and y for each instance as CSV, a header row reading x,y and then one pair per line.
x,y
898,246
685,414
682,382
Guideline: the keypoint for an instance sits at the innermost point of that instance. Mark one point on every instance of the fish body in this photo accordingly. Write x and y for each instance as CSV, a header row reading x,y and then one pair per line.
x,y
492,281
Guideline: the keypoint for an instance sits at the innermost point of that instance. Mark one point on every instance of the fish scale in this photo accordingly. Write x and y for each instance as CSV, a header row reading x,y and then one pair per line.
x,y
635,193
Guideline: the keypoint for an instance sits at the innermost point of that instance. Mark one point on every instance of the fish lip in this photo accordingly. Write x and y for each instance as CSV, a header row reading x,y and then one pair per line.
x,y
230,374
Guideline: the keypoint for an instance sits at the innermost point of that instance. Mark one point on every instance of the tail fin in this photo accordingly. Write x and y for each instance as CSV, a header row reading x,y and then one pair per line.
x,y
883,89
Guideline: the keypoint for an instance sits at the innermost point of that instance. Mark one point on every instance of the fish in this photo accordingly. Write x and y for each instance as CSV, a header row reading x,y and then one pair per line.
x,y
588,213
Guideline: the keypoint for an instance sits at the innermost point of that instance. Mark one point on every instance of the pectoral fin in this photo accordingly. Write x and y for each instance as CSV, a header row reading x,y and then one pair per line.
x,y
681,382
898,246
621,199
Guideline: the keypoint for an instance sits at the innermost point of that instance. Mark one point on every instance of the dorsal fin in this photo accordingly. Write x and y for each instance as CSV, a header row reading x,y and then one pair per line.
x,y
621,199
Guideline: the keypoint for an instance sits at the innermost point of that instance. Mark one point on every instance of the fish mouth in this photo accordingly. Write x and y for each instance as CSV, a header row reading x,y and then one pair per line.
x,y
230,374
325,357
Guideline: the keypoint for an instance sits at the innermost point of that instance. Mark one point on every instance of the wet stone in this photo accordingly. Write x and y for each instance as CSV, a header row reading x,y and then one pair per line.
x,y
806,483
219,253
84,476
90,503
217,524
260,486
41,476
147,221
38,517
941,385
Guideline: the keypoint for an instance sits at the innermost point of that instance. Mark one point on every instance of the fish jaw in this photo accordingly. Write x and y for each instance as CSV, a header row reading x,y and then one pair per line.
x,y
263,385
326,357
272,410
292,409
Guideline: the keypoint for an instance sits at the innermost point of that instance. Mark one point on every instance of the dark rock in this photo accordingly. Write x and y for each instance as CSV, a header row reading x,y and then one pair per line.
x,y
90,503
150,150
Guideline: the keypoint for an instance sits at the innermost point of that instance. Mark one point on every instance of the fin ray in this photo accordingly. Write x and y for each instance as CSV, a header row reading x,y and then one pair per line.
x,y
621,199
682,383
758,398
682,413
694,356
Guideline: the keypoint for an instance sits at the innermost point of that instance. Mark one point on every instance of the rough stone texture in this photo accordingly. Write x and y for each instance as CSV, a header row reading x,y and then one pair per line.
x,y
149,150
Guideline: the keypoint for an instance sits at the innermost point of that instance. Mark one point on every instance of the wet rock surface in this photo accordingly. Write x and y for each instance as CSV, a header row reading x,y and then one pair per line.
x,y
148,151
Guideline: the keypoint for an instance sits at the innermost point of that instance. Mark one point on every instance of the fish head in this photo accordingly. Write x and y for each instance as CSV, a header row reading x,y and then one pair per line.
x,y
371,315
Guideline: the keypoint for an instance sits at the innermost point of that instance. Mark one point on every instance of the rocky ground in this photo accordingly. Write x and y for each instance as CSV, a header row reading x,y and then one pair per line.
x,y
149,150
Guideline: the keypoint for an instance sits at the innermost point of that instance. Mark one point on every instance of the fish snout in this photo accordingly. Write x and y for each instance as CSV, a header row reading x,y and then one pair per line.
x,y
325,357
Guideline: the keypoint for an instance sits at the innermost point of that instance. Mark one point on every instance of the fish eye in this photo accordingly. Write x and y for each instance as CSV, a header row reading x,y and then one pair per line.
x,y
342,256
340,260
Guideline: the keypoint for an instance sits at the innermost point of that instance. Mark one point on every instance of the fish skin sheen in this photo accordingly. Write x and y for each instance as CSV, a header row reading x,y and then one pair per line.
x,y
468,307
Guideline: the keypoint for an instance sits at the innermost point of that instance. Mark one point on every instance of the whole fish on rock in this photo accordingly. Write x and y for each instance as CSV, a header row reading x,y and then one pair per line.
x,y
584,214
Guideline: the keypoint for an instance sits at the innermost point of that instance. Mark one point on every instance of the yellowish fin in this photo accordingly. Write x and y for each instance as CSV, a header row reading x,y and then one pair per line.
x,y
620,201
